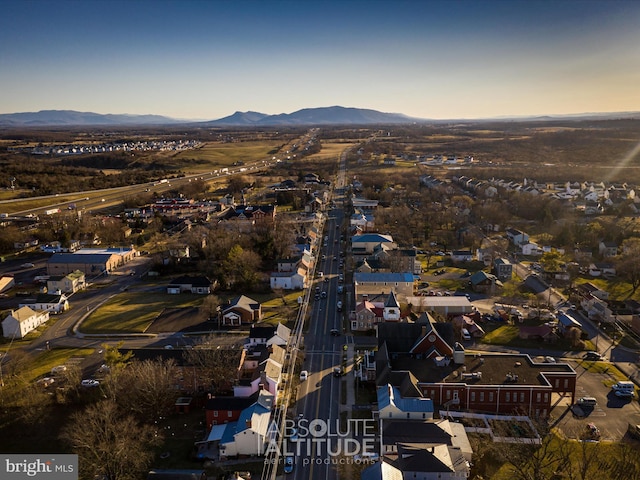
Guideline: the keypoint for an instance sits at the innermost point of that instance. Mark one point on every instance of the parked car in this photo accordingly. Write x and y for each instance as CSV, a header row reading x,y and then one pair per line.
x,y
45,382
591,432
587,402
90,383
593,356
58,369
624,389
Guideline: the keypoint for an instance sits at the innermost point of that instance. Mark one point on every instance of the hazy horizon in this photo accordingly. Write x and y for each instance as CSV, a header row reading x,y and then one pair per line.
x,y
206,60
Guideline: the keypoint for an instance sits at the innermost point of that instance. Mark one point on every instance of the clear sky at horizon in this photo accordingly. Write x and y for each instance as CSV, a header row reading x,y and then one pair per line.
x,y
427,59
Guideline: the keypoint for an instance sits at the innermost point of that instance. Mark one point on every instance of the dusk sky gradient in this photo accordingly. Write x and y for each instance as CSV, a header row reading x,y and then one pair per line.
x,y
426,59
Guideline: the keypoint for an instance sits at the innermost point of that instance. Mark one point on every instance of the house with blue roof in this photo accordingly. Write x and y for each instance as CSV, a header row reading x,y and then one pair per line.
x,y
391,404
249,435
366,243
376,283
566,322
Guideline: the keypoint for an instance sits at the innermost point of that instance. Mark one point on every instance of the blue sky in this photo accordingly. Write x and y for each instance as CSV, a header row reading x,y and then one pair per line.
x,y
428,59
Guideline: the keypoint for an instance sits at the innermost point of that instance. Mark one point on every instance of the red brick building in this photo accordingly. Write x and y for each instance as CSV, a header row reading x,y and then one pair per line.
x,y
489,383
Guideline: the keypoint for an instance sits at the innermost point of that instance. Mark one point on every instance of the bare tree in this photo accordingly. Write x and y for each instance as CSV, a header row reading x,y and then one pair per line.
x,y
110,444
529,461
628,263
218,365
211,306
145,388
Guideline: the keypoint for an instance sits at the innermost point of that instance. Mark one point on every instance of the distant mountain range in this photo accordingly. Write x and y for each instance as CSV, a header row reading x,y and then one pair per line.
x,y
315,116
308,116
72,118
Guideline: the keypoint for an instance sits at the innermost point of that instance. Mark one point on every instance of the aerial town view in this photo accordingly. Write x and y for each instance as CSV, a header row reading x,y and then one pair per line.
x,y
327,290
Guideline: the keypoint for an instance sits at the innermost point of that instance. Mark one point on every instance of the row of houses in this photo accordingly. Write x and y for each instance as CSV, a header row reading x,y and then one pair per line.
x,y
238,425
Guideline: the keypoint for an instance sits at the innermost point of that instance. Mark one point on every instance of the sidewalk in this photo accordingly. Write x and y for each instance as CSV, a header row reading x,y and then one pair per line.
x,y
350,379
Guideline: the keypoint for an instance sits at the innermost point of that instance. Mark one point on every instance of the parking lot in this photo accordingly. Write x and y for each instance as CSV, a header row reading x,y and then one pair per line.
x,y
611,415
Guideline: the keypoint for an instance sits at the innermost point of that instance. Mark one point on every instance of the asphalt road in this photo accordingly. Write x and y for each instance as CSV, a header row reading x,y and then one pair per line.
x,y
319,396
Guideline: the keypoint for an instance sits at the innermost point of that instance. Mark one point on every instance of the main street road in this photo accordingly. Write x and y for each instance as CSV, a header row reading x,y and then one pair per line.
x,y
319,396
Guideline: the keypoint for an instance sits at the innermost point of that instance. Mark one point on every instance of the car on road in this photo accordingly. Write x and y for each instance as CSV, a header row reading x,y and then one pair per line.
x,y
593,356
304,375
338,372
335,332
340,289
27,265
323,295
89,383
339,306
288,464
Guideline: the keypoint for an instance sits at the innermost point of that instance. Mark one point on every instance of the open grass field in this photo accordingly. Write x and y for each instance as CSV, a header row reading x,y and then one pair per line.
x,y
133,312
46,360
330,150
218,155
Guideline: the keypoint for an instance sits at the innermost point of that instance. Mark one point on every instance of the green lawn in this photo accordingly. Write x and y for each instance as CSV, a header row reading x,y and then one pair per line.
x,y
48,359
226,154
133,312
502,335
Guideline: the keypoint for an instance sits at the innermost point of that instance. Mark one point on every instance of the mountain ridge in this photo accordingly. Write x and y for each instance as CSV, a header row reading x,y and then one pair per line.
x,y
321,116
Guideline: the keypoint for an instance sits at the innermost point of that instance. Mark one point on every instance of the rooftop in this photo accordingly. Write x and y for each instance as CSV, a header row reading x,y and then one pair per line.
x,y
495,369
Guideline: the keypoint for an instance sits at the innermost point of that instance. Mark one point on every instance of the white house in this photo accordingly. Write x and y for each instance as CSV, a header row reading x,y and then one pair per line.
x,y
531,249
269,335
69,283
516,236
295,280
249,435
391,404
52,303
461,256
367,242
20,322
